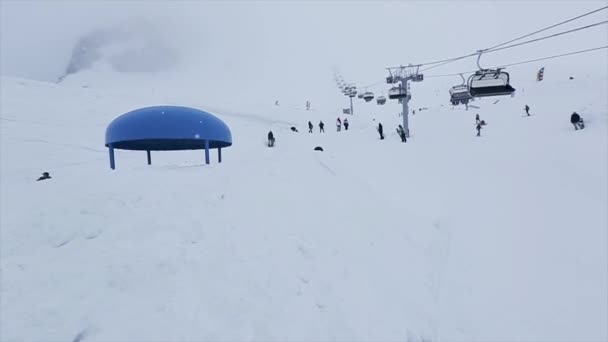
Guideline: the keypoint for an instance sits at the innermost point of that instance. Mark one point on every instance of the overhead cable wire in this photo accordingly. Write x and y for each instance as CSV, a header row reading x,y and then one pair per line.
x,y
454,59
525,62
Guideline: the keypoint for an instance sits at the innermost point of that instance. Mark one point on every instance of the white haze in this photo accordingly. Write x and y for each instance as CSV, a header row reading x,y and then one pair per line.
x,y
286,50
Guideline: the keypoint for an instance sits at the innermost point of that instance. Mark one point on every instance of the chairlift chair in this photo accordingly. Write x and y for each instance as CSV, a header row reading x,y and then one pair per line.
x,y
489,82
396,93
380,100
368,96
360,96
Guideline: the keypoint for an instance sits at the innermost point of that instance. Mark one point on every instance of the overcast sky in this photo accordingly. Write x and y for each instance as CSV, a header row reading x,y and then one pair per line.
x,y
297,43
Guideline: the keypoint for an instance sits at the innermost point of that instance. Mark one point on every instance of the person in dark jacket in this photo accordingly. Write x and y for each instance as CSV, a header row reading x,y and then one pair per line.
x,y
577,121
477,118
527,108
310,126
345,122
401,133
381,131
270,139
321,127
479,129
45,175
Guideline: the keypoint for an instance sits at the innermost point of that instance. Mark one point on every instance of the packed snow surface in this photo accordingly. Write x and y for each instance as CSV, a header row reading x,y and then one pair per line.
x,y
448,237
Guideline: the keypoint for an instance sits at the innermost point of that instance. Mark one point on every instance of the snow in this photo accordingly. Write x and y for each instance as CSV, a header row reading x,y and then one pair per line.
x,y
447,237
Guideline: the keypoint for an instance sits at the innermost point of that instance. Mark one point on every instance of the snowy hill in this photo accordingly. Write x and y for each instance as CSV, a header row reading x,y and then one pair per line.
x,y
447,237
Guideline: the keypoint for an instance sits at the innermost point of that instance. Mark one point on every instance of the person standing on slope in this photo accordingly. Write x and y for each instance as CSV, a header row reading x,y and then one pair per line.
x,y
527,108
345,124
401,133
477,118
270,139
338,124
381,131
478,129
321,127
310,126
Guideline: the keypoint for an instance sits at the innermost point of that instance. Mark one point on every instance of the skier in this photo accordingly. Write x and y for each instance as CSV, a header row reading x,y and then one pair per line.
x,y
310,127
401,133
270,139
527,108
577,121
477,118
45,175
380,130
338,124
346,124
321,127
307,105
478,129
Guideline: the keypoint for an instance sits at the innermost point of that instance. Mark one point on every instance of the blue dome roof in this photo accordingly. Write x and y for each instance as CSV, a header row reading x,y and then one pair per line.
x,y
167,128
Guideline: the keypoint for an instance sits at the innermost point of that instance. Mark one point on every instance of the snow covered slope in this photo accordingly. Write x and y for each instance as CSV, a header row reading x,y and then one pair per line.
x,y
448,237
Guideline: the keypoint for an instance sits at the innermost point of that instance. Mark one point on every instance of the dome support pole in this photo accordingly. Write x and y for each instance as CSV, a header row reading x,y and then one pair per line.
x,y
149,157
206,151
111,151
219,155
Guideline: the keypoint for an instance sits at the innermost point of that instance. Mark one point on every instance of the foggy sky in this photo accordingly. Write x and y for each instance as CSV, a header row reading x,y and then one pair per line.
x,y
297,43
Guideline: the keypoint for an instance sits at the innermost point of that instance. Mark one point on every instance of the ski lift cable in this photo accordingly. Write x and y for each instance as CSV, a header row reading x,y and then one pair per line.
x,y
547,28
547,37
450,60
524,62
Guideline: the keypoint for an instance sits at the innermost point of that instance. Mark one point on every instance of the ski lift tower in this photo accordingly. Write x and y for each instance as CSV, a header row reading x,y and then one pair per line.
x,y
402,75
350,91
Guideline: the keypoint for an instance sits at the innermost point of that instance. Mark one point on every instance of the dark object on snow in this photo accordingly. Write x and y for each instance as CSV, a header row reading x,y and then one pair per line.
x,y
577,121
571,77
293,129
401,133
45,175
477,118
478,127
346,124
527,108
381,131
321,127
270,139
318,148
310,127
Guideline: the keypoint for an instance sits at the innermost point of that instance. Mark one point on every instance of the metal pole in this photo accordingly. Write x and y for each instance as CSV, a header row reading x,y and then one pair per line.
x,y
149,157
206,151
351,106
405,110
219,155
111,150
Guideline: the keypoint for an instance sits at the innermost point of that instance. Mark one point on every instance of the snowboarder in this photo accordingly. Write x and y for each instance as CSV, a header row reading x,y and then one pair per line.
x,y
527,108
577,121
310,126
479,129
401,133
477,118
270,139
45,175
345,124
381,131
338,124
321,127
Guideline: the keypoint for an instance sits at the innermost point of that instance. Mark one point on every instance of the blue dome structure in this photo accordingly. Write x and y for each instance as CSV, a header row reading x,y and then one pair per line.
x,y
167,128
